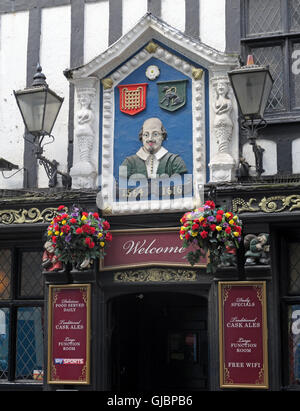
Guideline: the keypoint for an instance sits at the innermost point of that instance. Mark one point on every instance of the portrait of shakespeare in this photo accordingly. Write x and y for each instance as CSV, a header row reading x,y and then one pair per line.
x,y
152,159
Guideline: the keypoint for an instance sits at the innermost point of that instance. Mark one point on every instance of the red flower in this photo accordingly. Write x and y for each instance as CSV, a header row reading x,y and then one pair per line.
x,y
213,227
220,212
218,218
210,204
187,236
195,226
227,230
54,239
79,230
106,225
61,207
91,244
108,237
85,213
73,220
204,234
96,215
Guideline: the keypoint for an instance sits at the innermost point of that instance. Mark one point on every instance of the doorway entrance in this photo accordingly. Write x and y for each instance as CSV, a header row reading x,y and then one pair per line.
x,y
159,342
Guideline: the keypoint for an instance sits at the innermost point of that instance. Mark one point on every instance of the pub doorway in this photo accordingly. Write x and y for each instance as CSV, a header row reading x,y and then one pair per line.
x,y
159,342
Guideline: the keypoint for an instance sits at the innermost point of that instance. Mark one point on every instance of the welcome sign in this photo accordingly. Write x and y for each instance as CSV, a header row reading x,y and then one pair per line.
x,y
147,247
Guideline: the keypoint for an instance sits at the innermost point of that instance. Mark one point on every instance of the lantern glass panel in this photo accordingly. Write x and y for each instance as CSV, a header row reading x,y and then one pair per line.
x,y
32,105
53,105
252,89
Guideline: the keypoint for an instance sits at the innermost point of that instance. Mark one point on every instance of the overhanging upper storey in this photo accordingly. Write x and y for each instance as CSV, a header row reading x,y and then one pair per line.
x,y
155,120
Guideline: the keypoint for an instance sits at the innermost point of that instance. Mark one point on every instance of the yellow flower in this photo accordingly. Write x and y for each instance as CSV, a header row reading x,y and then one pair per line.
x,y
231,222
181,237
201,218
194,234
100,235
227,215
219,228
235,217
102,243
56,232
83,218
61,233
64,222
49,232
236,234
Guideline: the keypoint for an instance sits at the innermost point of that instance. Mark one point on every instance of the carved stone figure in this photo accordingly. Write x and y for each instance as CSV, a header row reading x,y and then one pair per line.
x,y
84,172
223,125
85,127
50,261
222,163
258,249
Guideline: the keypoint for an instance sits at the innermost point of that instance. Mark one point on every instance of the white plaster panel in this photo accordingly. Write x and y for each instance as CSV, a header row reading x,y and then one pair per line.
x,y
13,58
173,13
96,27
212,23
133,10
269,156
296,156
54,58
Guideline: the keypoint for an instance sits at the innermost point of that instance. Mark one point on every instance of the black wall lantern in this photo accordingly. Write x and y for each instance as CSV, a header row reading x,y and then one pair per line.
x,y
252,85
39,107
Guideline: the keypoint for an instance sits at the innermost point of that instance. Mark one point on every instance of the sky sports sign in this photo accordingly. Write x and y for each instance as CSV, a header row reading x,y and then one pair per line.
x,y
69,361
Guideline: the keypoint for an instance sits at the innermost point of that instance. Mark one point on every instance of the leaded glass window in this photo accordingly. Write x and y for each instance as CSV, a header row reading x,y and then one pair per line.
x,y
21,316
294,268
294,344
271,32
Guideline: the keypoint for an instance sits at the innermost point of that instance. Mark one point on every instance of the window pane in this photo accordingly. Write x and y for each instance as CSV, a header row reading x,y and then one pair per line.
x,y
30,336
5,274
294,344
4,339
31,275
294,9
264,16
295,76
294,268
272,57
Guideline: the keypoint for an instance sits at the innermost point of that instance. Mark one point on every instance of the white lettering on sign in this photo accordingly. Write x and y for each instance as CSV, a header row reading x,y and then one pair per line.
x,y
144,247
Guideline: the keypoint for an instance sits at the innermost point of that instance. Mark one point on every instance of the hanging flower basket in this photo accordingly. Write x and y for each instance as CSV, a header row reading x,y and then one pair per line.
x,y
78,237
208,229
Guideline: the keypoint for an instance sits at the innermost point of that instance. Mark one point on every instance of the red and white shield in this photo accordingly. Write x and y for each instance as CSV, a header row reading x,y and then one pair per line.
x,y
132,98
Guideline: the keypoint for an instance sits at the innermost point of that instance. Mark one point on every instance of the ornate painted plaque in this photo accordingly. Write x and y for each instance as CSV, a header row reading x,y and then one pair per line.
x,y
172,94
69,334
133,98
243,334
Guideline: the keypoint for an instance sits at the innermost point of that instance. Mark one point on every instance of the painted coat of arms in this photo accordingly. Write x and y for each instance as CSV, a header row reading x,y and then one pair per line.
x,y
133,98
172,94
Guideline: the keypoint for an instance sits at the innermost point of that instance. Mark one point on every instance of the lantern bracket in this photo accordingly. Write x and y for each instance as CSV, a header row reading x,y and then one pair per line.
x,y
251,127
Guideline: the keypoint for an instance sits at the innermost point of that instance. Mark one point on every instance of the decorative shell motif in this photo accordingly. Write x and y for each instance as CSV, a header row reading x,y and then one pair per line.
x,y
152,72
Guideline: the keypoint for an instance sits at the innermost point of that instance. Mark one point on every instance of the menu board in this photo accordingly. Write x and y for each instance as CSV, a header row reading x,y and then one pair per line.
x,y
69,334
243,334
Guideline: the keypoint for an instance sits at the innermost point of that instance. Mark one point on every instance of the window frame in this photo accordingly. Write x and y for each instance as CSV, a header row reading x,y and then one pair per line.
x,y
286,38
13,303
286,300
